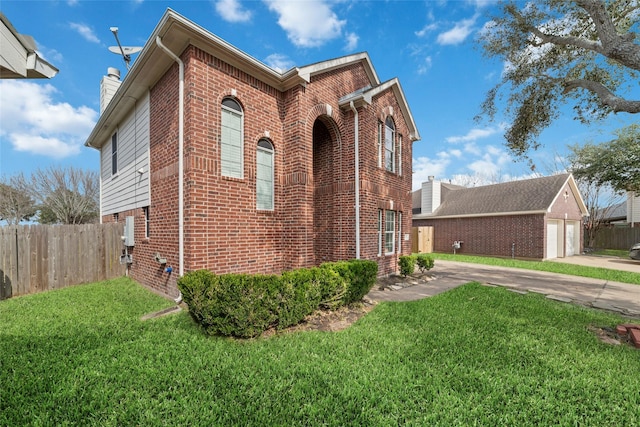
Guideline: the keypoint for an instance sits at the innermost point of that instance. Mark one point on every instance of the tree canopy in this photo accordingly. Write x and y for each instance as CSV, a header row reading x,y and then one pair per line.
x,y
15,204
615,163
556,51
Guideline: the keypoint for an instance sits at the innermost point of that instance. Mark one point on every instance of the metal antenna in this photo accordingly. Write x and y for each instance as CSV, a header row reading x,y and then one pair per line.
x,y
125,51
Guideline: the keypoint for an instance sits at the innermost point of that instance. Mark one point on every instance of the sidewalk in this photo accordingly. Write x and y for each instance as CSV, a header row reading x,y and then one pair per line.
x,y
621,298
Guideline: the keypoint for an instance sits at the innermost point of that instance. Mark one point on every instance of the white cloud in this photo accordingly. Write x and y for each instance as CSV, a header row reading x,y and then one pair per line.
x,y
426,29
279,62
232,11
424,167
32,121
460,31
307,23
473,135
352,42
425,66
85,31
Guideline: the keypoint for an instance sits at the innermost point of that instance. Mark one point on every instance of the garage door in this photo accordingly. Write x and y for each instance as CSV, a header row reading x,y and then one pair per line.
x,y
570,251
552,239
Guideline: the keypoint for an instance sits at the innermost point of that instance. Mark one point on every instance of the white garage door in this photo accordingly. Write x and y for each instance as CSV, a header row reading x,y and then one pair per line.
x,y
570,250
552,239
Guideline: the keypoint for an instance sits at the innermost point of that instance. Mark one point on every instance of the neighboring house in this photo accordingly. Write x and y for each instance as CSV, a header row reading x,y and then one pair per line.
x,y
219,162
537,218
623,214
18,56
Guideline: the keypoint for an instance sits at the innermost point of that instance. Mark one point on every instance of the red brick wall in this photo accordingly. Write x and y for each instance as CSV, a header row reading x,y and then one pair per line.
x,y
314,216
490,235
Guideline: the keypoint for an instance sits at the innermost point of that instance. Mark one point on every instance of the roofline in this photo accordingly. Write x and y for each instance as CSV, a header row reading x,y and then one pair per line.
x,y
480,215
177,32
366,97
576,192
36,66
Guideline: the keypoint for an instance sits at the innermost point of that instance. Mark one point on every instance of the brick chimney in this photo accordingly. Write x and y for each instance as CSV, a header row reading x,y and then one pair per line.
x,y
108,87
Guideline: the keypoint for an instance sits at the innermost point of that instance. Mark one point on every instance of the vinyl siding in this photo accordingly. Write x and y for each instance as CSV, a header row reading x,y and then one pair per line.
x,y
128,189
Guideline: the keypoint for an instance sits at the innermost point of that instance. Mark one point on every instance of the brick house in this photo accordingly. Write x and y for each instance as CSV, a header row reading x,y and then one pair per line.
x,y
538,218
217,161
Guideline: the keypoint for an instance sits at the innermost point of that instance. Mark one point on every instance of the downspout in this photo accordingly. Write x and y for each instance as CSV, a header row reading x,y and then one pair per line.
x,y
357,177
180,161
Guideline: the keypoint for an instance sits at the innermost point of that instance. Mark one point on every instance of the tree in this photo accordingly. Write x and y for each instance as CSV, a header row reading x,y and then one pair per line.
x,y
15,204
557,50
615,163
63,195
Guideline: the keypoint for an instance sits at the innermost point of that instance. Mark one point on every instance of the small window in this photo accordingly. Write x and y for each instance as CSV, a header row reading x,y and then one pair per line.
x,y
389,232
115,217
264,175
399,155
114,154
399,232
146,221
231,145
379,144
389,145
379,232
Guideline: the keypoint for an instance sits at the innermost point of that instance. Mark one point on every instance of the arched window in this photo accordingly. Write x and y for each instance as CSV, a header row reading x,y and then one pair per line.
x,y
389,145
264,175
231,146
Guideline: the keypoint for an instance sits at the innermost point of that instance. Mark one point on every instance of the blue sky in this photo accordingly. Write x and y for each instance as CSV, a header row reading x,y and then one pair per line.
x,y
429,45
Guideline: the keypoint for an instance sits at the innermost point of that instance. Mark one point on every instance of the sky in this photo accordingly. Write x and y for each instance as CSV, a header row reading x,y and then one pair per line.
x,y
430,46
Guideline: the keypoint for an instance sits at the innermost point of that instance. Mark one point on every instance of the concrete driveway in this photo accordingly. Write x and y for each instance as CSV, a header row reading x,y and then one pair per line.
x,y
618,297
613,263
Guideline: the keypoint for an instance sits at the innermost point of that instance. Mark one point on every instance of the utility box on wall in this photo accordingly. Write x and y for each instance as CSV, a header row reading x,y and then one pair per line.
x,y
128,238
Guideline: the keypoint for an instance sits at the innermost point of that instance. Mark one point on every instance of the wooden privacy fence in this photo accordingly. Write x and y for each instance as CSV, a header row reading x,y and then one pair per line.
x,y
36,258
617,238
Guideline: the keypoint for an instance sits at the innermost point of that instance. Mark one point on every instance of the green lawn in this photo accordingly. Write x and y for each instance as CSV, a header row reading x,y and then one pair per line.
x,y
471,356
550,266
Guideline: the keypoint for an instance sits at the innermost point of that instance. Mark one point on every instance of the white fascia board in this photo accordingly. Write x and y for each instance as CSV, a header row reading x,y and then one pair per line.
x,y
308,71
402,101
481,215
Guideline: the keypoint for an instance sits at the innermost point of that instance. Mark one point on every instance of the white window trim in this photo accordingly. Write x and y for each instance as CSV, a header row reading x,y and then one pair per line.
x,y
272,153
380,232
380,138
399,138
241,113
392,150
399,215
391,233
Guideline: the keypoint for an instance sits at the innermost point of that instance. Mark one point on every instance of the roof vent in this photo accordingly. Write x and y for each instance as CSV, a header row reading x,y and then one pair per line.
x,y
113,72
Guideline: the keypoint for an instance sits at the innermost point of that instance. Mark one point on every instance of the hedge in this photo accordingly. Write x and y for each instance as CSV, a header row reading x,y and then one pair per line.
x,y
243,305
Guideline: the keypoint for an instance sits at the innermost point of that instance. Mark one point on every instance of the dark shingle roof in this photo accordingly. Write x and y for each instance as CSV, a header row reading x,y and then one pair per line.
x,y
527,195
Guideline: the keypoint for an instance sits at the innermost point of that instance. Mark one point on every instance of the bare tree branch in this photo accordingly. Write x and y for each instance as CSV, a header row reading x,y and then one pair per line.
x,y
606,97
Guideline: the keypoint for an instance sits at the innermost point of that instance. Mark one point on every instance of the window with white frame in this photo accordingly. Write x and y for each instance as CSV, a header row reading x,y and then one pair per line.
x,y
264,175
379,144
145,210
389,145
379,232
399,155
114,153
231,145
389,231
399,232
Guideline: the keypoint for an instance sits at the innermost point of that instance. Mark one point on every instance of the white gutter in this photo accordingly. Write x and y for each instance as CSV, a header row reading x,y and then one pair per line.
x,y
357,177
180,160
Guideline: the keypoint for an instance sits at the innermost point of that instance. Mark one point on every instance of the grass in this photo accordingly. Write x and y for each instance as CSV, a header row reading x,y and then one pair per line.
x,y
553,267
620,253
471,356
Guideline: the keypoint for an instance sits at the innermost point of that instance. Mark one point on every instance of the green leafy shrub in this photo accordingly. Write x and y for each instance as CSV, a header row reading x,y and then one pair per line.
x,y
424,262
407,264
300,294
243,305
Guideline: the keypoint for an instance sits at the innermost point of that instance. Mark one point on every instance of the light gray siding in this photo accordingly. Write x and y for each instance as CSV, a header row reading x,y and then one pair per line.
x,y
129,188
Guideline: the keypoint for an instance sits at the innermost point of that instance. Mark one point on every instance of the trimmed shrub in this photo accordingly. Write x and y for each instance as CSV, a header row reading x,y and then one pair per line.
x,y
244,306
300,293
407,264
424,262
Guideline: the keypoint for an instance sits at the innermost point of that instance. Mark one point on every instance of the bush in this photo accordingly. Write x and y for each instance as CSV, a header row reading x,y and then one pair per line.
x,y
424,262
407,264
243,305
